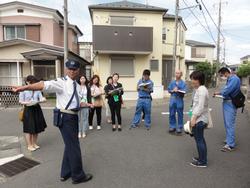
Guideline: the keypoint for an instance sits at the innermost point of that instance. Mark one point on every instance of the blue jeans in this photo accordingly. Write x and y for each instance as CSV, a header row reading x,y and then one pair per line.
x,y
143,104
176,104
198,132
229,113
83,120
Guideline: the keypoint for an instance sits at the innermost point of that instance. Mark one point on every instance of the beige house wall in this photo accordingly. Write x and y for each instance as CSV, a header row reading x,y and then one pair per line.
x,y
209,55
102,62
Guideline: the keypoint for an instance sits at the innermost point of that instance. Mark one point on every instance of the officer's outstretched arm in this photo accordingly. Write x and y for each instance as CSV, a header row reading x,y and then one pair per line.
x,y
33,87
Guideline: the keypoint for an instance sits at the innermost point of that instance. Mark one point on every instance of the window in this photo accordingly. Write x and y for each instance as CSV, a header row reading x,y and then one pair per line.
x,y
124,65
4,70
121,20
14,32
20,10
44,70
164,33
154,65
198,52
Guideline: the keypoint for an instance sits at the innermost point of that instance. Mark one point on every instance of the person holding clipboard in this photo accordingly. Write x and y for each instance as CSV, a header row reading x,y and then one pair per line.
x,y
145,87
177,89
114,94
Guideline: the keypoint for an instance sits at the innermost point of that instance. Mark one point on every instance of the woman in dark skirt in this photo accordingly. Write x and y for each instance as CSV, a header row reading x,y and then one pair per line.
x,y
33,119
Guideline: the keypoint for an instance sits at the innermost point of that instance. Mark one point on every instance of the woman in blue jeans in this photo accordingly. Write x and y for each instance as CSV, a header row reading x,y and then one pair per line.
x,y
199,119
84,111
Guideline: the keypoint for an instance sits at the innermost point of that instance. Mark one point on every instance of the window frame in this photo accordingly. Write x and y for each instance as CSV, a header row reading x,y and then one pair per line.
x,y
123,57
158,65
15,26
164,34
114,16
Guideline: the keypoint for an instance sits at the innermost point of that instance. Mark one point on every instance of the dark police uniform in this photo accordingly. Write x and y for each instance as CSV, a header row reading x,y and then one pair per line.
x,y
64,89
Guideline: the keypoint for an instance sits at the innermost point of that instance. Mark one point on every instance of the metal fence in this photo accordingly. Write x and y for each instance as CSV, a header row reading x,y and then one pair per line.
x,y
7,97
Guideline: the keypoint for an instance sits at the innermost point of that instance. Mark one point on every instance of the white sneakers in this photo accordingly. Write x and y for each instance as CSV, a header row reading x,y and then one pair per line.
x,y
82,135
98,127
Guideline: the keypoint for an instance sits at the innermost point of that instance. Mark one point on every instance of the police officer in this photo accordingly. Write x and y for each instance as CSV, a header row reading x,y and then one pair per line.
x,y
67,100
145,87
177,89
231,89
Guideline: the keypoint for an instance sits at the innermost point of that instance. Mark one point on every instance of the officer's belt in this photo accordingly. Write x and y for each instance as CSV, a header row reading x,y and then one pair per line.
x,y
176,96
145,97
68,112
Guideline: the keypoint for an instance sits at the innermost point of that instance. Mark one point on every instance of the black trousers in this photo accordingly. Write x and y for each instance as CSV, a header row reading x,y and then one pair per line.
x,y
115,109
98,115
72,158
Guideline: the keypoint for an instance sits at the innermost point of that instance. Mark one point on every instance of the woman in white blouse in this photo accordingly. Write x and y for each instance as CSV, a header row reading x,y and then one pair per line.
x,y
33,119
97,101
199,119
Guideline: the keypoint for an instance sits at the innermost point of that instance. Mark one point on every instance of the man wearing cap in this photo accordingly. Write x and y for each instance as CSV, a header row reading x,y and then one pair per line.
x,y
231,89
177,89
67,101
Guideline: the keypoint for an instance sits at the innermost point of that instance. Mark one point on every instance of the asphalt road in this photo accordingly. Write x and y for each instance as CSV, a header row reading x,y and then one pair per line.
x,y
139,158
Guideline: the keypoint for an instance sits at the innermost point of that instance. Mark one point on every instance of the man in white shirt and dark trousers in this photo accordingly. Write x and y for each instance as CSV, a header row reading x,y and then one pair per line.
x,y
67,104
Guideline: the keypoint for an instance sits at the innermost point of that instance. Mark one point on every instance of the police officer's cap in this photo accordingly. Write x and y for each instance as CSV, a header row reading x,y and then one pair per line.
x,y
71,64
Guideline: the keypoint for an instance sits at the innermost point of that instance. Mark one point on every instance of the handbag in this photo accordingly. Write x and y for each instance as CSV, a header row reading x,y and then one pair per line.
x,y
210,121
239,100
21,115
58,115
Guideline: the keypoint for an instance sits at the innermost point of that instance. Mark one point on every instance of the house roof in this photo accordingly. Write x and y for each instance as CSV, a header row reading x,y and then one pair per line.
x,y
171,16
41,48
51,10
194,43
127,5
245,57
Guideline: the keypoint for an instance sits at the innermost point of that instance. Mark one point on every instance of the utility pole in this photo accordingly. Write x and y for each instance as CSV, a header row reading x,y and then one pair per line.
x,y
65,8
175,39
218,45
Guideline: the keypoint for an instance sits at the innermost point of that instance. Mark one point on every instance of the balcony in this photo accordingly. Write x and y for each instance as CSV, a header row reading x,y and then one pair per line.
x,y
122,39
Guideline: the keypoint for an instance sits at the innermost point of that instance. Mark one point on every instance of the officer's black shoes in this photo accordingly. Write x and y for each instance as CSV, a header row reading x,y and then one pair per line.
x,y
114,129
65,178
87,178
119,129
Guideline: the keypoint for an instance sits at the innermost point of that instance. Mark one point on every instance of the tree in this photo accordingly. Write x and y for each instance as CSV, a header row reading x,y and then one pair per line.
x,y
244,70
208,69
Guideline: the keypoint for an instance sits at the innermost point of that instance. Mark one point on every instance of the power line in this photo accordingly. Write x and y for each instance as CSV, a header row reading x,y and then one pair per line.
x,y
199,21
207,24
212,18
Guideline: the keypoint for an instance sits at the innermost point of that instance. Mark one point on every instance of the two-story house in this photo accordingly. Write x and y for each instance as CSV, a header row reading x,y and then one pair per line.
x,y
245,59
130,37
197,52
31,42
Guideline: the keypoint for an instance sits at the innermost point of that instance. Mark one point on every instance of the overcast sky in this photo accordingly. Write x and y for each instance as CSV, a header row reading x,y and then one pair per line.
x,y
235,21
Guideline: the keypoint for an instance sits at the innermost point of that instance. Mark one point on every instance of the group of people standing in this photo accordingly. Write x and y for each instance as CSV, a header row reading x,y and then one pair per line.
x,y
92,93
199,114
77,104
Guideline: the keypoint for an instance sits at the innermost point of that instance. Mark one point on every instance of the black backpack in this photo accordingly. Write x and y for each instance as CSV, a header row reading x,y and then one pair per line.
x,y
239,100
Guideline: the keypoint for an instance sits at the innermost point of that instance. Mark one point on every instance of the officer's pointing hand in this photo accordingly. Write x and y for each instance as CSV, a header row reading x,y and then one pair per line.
x,y
16,89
